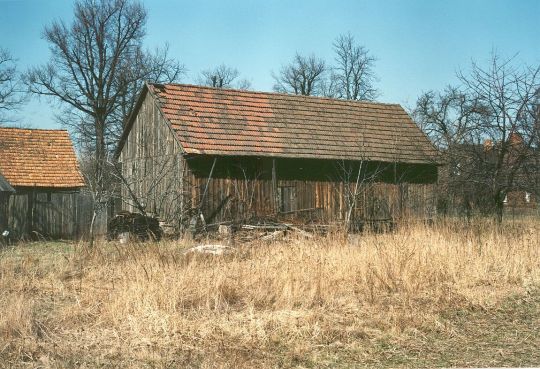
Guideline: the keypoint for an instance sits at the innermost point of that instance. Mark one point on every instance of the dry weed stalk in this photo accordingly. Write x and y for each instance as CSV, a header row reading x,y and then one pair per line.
x,y
146,303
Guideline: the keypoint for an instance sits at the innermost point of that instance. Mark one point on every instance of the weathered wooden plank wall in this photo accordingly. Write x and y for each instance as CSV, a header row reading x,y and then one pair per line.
x,y
230,199
152,166
4,197
50,214
231,196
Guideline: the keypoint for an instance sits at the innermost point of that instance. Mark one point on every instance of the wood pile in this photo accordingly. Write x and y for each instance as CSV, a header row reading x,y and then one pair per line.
x,y
275,228
139,226
267,229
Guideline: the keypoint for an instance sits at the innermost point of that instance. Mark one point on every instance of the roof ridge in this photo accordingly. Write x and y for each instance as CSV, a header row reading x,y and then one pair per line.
x,y
273,93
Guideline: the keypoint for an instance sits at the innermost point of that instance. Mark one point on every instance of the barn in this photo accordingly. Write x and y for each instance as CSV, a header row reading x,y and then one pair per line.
x,y
40,183
216,155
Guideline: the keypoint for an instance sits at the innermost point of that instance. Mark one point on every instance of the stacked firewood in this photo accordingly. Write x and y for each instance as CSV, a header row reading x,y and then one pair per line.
x,y
139,226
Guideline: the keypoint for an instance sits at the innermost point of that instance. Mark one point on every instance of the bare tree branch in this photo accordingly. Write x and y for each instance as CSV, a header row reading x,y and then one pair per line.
x,y
487,129
10,94
303,76
353,75
223,76
96,69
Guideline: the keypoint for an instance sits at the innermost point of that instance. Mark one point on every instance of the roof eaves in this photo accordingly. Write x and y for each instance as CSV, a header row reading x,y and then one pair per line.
x,y
196,152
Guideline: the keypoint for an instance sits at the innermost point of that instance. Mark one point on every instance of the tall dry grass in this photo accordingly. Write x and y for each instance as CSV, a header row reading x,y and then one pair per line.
x,y
266,305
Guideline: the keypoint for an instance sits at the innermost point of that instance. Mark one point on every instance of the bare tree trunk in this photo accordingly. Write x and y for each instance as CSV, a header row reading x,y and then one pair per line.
x,y
99,169
96,69
91,235
100,154
352,201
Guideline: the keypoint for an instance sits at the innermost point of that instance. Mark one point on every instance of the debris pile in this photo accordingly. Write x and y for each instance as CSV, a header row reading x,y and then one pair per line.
x,y
258,229
139,226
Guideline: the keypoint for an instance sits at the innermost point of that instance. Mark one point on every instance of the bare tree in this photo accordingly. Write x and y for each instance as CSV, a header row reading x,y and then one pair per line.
x,y
446,117
243,84
303,76
506,96
10,96
449,120
487,129
223,76
533,171
96,64
355,179
353,75
153,66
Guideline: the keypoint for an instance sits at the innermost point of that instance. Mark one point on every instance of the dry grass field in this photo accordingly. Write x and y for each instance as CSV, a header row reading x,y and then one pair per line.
x,y
444,295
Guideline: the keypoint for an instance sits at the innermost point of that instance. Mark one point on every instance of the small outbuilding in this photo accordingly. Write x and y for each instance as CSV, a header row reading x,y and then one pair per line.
x,y
201,154
40,183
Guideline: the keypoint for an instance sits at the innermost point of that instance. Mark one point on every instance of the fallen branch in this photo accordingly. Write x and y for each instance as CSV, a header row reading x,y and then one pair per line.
x,y
272,236
300,231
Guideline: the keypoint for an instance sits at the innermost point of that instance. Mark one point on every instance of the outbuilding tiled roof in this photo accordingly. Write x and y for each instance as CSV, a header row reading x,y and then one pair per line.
x,y
232,122
38,158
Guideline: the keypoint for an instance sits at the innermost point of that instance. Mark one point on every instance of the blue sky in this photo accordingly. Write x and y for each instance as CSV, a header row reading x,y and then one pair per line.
x,y
419,44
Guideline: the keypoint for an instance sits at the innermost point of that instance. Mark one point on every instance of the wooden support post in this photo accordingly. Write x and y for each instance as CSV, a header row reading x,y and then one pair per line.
x,y
274,186
4,207
199,212
30,211
207,183
399,195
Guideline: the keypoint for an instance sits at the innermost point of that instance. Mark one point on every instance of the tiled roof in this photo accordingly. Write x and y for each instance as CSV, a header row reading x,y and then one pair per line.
x,y
232,122
38,158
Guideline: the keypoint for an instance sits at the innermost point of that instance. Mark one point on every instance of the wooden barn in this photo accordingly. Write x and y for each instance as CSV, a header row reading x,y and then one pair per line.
x,y
42,181
213,155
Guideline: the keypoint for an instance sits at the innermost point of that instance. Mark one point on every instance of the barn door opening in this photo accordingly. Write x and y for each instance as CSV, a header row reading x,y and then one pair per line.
x,y
287,199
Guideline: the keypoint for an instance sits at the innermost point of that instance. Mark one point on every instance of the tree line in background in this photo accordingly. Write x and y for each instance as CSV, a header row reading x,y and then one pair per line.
x,y
352,77
487,130
487,127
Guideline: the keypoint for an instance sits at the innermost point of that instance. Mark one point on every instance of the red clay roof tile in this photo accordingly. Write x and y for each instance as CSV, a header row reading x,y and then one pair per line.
x,y
38,158
232,122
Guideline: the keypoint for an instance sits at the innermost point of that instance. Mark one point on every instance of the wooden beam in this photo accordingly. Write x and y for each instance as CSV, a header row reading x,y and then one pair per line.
x,y
199,212
275,186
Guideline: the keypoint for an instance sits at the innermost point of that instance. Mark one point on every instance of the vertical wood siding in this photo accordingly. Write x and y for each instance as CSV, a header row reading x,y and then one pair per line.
x,y
315,200
152,166
49,214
